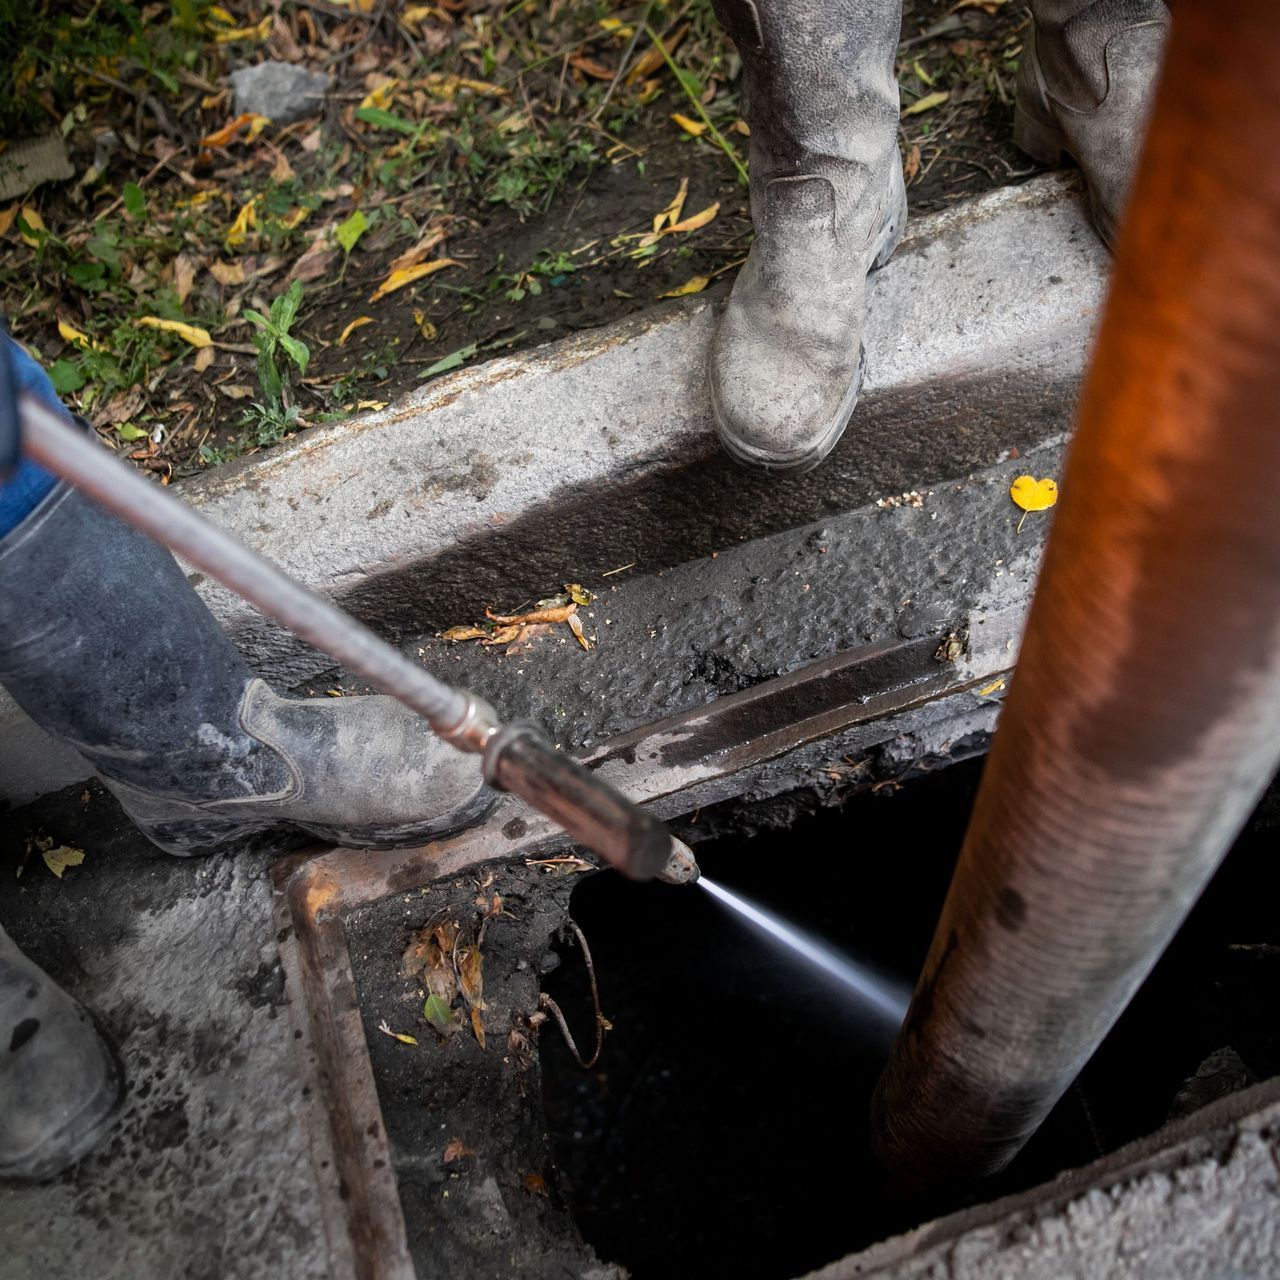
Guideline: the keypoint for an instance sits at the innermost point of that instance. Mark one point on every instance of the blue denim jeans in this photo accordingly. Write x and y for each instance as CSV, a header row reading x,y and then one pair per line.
x,y
22,492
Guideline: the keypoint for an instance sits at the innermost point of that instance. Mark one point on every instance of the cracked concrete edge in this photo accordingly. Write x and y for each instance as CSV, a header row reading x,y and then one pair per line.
x,y
495,481
1198,1199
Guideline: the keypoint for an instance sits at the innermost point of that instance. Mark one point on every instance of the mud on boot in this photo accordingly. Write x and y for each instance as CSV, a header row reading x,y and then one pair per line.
x,y
1085,86
60,1082
829,206
105,644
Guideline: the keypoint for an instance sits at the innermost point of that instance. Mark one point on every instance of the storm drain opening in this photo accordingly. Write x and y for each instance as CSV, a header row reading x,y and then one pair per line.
x,y
724,1128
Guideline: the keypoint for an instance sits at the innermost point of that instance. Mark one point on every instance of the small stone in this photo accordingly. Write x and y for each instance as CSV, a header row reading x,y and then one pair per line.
x,y
279,90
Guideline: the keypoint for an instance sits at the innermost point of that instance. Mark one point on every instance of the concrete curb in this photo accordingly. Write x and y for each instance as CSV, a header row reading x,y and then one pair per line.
x,y
500,482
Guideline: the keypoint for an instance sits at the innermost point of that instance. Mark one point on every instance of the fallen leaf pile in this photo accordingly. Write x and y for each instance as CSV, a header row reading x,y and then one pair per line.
x,y
518,630
134,280
448,965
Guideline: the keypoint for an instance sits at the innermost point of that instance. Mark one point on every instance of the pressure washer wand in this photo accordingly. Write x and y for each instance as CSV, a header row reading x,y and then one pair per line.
x,y
517,758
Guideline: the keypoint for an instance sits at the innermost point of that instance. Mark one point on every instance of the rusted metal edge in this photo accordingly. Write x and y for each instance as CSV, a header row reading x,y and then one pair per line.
x,y
669,764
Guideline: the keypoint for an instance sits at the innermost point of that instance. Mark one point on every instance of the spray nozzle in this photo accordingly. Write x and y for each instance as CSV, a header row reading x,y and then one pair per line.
x,y
680,867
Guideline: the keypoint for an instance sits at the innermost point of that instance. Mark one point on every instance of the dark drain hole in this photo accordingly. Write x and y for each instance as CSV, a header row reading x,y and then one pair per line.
x,y
724,1129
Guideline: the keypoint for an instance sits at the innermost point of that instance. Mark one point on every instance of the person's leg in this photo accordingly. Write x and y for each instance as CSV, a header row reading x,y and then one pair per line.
x,y
106,645
828,205
60,1083
1086,82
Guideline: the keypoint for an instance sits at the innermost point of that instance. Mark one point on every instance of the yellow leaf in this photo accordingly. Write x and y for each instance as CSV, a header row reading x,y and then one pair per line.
x,y
256,126
416,14
191,333
258,31
402,1036
296,218
696,285
380,96
244,224
694,128
994,687
671,213
447,86
369,405
425,327
1032,494
7,218
698,219
31,216
200,197
398,279
219,14
74,336
59,859
927,103
352,327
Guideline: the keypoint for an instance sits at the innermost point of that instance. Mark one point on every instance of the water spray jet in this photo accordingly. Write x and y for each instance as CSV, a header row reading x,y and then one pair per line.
x,y
877,994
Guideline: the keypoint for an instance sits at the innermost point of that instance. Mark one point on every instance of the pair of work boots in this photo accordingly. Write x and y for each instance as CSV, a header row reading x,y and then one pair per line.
x,y
104,643
827,196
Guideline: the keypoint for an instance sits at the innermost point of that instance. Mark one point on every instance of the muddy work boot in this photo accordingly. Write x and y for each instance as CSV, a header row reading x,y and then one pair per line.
x,y
828,204
60,1082
1086,84
105,644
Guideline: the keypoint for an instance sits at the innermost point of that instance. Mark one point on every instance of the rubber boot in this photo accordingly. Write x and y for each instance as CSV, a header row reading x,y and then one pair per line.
x,y
829,206
1086,83
60,1082
105,644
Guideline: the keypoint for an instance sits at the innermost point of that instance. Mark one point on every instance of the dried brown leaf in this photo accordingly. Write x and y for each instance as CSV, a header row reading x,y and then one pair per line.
x,y
313,264
505,635
227,273
455,1150
560,613
471,976
590,67
575,625
184,275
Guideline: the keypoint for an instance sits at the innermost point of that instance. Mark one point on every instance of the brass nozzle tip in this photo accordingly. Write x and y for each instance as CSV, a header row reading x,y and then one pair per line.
x,y
681,867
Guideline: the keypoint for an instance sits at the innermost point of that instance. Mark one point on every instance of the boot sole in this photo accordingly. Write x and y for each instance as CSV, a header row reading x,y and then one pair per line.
x,y
890,236
200,834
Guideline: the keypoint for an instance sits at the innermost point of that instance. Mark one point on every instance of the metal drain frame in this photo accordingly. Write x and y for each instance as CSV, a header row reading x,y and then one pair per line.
x,y
675,766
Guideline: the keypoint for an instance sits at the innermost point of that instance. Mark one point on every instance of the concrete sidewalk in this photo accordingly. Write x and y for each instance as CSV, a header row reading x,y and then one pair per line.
x,y
502,481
